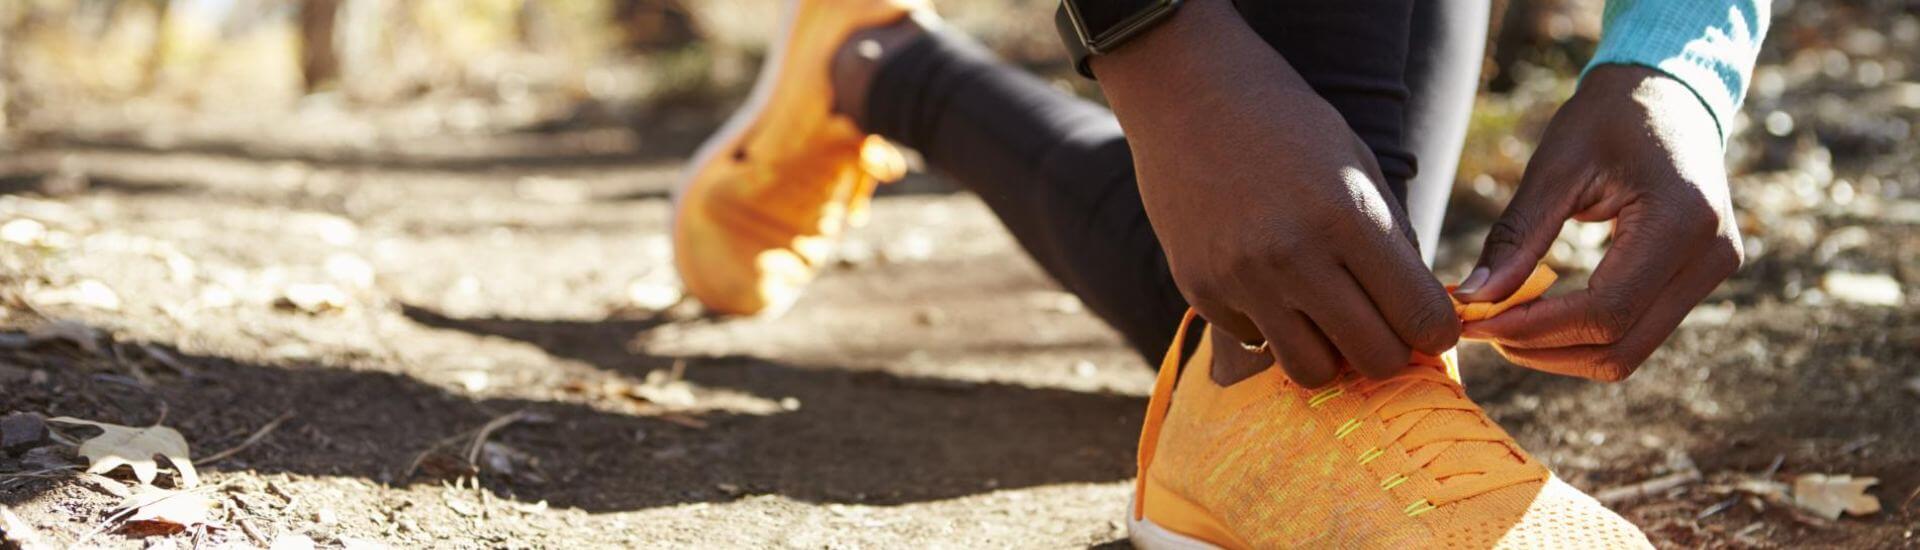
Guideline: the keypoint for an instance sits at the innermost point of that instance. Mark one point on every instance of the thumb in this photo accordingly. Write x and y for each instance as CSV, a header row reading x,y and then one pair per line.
x,y
1525,231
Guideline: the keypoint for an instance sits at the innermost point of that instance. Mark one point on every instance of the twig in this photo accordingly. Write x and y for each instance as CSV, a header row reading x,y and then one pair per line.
x,y
1647,488
473,451
246,526
479,434
252,439
166,359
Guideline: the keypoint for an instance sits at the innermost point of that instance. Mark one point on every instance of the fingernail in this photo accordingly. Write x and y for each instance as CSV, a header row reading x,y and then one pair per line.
x,y
1474,280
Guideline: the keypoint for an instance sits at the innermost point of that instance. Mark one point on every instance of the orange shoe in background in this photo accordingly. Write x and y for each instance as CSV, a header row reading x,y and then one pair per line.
x,y
766,197
1407,462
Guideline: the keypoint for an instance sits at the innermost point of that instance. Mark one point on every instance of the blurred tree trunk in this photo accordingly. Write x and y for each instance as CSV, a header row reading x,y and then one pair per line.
x,y
319,60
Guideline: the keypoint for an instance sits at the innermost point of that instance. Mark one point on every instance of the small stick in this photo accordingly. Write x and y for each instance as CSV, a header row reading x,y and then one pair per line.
x,y
246,526
252,439
473,451
1645,488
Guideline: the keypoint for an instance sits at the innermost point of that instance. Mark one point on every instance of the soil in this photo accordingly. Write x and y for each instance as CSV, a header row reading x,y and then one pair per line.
x,y
933,387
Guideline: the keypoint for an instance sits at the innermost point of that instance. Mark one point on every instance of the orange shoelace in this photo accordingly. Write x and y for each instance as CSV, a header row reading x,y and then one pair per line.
x,y
1427,412
1413,408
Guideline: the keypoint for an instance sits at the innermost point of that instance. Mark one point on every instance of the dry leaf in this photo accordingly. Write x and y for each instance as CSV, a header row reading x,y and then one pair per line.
x,y
1828,496
154,511
126,446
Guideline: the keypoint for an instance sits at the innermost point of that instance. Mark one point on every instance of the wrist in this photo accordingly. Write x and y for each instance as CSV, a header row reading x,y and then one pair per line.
x,y
1201,54
1654,93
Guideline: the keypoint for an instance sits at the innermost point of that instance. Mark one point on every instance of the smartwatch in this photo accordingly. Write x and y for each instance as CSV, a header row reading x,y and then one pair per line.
x,y
1095,27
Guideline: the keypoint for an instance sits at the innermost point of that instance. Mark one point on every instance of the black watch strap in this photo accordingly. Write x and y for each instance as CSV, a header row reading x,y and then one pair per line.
x,y
1077,49
1100,30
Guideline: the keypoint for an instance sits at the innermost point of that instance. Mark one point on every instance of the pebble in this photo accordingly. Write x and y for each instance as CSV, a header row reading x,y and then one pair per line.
x,y
22,431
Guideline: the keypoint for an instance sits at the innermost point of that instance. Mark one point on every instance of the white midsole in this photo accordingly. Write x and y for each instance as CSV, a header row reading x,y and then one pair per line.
x,y
1147,535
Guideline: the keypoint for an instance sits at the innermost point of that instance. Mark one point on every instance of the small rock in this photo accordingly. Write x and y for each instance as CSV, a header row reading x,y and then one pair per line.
x,y
1913,385
22,431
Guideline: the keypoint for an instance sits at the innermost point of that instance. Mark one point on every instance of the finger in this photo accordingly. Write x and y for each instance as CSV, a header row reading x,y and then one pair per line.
x,y
1526,229
1398,284
1232,362
1348,319
1226,320
1301,350
1647,256
1404,294
1616,361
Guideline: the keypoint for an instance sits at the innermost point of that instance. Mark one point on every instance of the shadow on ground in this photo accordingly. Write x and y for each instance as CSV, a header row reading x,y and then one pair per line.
x,y
857,437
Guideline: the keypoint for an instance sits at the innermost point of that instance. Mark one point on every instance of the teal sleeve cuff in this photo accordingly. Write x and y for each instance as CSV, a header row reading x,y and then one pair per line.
x,y
1708,45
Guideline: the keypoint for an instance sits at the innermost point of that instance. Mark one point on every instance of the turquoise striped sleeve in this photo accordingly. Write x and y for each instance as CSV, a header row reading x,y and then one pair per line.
x,y
1708,45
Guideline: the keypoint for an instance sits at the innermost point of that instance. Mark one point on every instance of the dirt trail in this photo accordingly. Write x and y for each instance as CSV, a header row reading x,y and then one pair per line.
x,y
933,388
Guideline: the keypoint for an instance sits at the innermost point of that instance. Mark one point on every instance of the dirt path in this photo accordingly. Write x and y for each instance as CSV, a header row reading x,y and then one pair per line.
x,y
933,388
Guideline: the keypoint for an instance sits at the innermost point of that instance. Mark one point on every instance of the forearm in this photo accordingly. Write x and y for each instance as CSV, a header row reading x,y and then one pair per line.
x,y
1193,72
1708,45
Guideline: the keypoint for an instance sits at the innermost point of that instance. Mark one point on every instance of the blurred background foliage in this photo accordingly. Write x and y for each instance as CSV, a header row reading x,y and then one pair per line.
x,y
1828,127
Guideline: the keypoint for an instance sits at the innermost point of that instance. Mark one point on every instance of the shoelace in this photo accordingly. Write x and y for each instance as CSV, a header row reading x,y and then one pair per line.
x,y
1411,405
1408,404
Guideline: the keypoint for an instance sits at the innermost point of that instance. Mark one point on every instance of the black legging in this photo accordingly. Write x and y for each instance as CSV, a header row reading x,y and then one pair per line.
x,y
1057,170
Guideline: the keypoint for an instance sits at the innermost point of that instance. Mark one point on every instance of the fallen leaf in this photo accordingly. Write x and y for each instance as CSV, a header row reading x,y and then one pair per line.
x,y
1828,496
154,511
88,293
120,446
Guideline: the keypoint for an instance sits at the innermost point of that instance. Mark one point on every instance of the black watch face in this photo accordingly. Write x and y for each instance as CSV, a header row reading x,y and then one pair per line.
x,y
1101,20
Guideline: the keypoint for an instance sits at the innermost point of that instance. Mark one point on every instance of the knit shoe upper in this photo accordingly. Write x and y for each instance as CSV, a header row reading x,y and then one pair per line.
x,y
765,198
1407,461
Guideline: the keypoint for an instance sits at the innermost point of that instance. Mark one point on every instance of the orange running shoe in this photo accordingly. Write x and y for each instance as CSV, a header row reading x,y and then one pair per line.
x,y
765,198
1407,462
